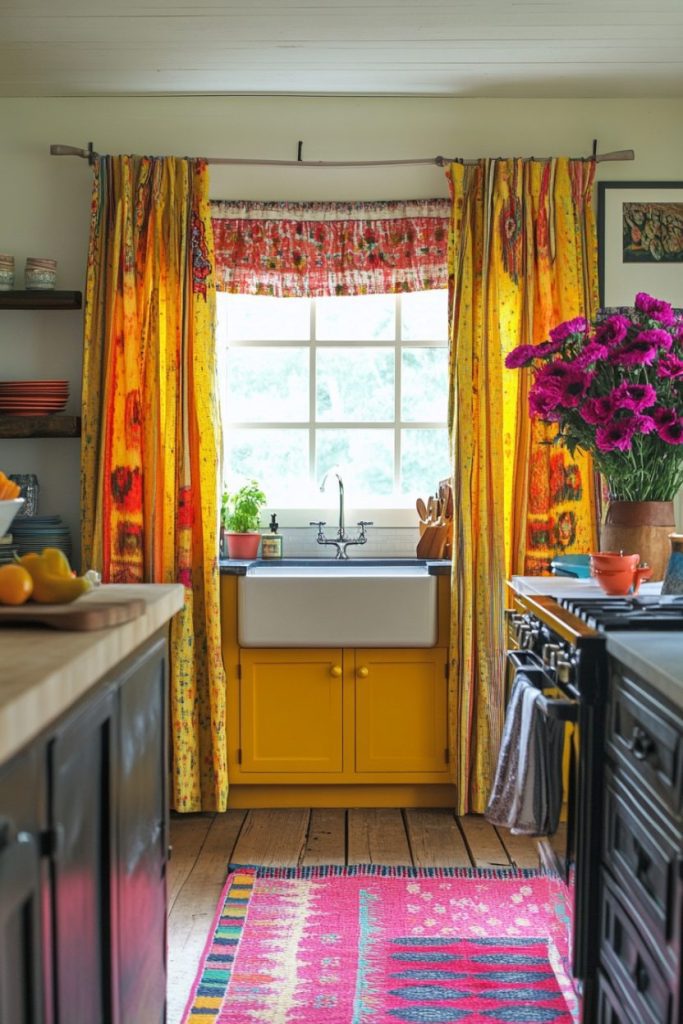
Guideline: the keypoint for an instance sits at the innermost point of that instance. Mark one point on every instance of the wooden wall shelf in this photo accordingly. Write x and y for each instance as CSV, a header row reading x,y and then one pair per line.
x,y
47,299
40,426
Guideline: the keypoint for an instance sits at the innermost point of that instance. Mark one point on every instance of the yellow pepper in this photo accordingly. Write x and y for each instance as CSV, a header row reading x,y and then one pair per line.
x,y
53,581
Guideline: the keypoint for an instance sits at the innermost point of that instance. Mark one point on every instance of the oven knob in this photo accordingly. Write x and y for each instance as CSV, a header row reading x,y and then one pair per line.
x,y
564,671
549,653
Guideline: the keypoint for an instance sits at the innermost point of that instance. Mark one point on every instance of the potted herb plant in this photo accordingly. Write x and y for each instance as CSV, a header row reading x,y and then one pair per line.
x,y
241,518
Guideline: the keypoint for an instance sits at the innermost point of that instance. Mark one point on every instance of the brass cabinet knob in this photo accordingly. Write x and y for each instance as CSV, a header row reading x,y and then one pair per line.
x,y
363,672
336,671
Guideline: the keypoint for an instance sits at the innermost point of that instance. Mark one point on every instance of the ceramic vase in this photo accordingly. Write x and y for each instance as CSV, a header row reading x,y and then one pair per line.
x,y
673,578
640,527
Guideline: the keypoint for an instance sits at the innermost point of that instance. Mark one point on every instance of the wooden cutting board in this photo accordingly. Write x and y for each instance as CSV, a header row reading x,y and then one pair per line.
x,y
75,616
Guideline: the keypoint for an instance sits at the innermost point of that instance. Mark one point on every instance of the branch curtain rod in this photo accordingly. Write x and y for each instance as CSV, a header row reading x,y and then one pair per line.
x,y
90,155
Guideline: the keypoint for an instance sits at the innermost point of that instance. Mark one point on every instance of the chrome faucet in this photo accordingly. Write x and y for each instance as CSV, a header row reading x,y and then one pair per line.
x,y
341,541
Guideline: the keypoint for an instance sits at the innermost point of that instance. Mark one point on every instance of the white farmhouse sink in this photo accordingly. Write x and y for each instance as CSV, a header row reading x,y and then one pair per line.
x,y
340,605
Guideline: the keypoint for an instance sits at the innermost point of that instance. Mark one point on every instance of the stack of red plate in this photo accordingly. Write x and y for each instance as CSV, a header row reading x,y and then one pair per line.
x,y
33,397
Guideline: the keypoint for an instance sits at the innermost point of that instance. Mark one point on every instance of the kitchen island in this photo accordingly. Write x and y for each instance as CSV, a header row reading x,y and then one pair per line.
x,y
83,816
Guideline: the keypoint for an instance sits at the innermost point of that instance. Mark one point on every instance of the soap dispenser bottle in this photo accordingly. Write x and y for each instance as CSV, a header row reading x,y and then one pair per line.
x,y
271,543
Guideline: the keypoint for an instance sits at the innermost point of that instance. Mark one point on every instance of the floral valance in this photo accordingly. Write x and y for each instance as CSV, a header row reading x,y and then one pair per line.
x,y
317,249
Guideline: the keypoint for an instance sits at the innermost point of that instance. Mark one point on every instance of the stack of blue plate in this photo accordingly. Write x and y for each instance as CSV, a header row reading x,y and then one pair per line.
x,y
37,532
8,553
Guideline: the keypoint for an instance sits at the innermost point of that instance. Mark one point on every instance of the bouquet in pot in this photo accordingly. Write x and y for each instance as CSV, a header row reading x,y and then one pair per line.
x,y
615,390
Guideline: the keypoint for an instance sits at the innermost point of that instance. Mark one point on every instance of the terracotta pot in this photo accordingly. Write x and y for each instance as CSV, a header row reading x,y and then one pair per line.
x,y
640,527
243,545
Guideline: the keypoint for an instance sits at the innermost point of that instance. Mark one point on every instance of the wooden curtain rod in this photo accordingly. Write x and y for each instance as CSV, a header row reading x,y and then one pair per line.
x,y
90,155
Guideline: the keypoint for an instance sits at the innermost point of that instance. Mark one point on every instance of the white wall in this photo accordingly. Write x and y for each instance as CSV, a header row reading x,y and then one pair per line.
x,y
44,200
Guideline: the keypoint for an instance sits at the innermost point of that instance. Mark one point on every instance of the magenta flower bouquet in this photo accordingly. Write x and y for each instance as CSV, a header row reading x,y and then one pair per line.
x,y
615,390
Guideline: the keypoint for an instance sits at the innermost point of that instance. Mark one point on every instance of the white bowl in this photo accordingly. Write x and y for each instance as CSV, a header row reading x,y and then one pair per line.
x,y
8,510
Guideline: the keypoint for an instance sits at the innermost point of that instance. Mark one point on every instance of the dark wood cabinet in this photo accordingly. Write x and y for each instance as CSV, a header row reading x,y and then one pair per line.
x,y
22,935
83,846
641,921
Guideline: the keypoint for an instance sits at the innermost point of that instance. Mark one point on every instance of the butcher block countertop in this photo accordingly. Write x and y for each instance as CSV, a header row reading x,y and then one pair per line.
x,y
44,671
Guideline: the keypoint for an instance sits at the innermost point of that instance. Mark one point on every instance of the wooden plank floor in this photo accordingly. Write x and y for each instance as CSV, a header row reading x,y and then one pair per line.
x,y
204,845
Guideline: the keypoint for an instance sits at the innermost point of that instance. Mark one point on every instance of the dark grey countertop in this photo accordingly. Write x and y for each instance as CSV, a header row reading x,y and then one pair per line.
x,y
656,656
238,567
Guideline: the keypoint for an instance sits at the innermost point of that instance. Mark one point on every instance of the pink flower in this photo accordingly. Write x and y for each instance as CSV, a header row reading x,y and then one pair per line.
x,y
557,370
612,330
656,337
544,399
523,355
574,387
633,396
577,326
643,424
656,309
617,435
597,410
634,353
591,353
672,433
664,417
670,366
547,348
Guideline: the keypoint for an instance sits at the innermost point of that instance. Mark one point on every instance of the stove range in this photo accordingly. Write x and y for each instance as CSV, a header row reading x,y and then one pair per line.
x,y
643,613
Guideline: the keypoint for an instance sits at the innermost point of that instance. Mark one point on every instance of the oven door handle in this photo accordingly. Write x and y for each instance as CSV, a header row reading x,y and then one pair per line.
x,y
563,710
532,667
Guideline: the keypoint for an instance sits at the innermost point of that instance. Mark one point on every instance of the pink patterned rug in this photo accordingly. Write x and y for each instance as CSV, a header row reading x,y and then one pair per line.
x,y
385,946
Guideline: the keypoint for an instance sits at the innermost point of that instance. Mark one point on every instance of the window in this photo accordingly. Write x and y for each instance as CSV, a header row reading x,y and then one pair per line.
x,y
354,382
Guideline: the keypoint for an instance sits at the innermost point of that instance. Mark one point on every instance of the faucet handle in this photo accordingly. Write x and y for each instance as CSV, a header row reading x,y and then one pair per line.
x,y
319,523
365,522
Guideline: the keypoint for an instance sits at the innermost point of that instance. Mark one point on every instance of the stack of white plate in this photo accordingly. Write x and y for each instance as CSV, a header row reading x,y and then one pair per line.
x,y
33,397
37,532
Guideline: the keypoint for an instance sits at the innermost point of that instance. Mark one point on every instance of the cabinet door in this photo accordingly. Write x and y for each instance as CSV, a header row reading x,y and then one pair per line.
x,y
81,785
22,936
401,710
141,839
291,710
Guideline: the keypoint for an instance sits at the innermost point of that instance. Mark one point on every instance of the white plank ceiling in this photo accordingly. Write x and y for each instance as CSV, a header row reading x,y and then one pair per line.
x,y
511,48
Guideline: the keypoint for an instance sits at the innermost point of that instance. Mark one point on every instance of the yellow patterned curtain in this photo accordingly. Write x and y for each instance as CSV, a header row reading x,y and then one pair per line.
x,y
522,259
150,449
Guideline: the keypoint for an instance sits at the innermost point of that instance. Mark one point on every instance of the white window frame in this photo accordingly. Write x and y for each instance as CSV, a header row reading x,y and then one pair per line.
x,y
390,513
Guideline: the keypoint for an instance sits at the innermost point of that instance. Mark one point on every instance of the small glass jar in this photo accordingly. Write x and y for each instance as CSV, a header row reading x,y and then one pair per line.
x,y
6,272
40,274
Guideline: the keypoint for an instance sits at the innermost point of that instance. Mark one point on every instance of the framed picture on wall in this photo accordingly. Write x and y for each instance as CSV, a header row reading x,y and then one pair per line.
x,y
640,241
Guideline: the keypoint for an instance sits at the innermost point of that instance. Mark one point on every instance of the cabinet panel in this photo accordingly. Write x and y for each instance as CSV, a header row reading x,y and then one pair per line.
x,y
291,710
22,963
401,702
142,839
81,756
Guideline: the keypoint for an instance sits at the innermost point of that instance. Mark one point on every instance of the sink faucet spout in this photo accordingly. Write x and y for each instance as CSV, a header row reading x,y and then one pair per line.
x,y
341,498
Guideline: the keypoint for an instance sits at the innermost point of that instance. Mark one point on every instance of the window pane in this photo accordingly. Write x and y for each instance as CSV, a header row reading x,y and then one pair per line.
x,y
424,384
355,384
365,459
424,315
278,459
356,318
265,385
424,460
263,318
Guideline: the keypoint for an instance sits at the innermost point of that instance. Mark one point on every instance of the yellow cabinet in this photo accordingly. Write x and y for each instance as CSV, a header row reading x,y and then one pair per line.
x,y
291,709
401,701
333,727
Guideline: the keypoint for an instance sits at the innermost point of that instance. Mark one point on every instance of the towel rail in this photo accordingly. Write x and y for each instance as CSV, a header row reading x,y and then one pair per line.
x,y
564,709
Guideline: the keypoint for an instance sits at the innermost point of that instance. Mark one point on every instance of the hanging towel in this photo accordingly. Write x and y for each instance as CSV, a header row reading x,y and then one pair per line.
x,y
527,789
